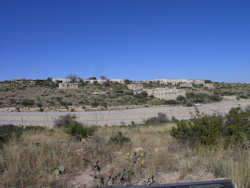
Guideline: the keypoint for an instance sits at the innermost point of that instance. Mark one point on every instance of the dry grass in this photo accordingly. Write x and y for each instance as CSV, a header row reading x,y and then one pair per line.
x,y
152,154
33,160
169,162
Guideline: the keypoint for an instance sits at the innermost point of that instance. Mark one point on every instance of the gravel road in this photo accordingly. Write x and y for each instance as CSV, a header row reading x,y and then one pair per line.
x,y
117,117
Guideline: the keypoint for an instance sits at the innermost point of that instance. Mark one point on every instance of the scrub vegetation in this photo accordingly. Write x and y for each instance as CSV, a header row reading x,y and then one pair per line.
x,y
159,151
41,95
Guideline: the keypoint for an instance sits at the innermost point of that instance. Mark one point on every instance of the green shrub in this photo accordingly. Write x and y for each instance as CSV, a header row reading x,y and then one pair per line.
x,y
208,81
119,139
181,99
80,130
237,126
95,103
126,81
206,130
28,102
202,98
12,101
73,127
11,131
159,119
171,102
233,129
141,95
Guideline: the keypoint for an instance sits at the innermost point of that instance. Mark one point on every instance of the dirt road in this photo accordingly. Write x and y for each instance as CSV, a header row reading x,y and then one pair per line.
x,y
117,117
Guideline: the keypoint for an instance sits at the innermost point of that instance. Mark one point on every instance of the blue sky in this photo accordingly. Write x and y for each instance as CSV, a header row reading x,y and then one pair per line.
x,y
135,39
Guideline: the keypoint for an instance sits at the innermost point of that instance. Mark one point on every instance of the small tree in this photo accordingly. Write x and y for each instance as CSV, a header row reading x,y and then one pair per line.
x,y
73,78
159,119
28,102
127,81
74,128
208,81
103,78
181,99
92,78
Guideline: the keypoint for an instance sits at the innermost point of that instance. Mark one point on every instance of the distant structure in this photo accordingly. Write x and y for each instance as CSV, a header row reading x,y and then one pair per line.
x,y
209,85
19,80
121,81
61,80
67,85
186,85
165,93
177,81
135,86
92,81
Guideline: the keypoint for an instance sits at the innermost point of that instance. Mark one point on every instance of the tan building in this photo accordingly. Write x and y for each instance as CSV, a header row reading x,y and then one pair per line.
x,y
92,81
61,80
186,85
209,86
135,87
165,93
121,81
67,85
178,81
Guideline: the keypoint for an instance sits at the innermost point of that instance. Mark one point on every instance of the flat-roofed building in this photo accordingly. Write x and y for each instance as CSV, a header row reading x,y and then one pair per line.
x,y
165,93
67,85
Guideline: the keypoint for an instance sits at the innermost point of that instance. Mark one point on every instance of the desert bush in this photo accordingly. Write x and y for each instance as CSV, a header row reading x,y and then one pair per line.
x,y
206,130
73,127
65,121
181,99
208,81
95,103
233,129
202,97
171,102
237,127
126,81
80,130
159,119
12,101
28,102
119,139
8,132
65,103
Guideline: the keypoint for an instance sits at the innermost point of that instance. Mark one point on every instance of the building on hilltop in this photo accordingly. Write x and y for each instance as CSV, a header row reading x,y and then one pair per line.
x,y
93,81
67,85
165,93
135,86
19,80
178,81
61,80
121,81
186,85
209,86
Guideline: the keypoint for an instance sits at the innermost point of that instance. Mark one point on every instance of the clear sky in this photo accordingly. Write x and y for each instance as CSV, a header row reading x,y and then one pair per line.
x,y
135,39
